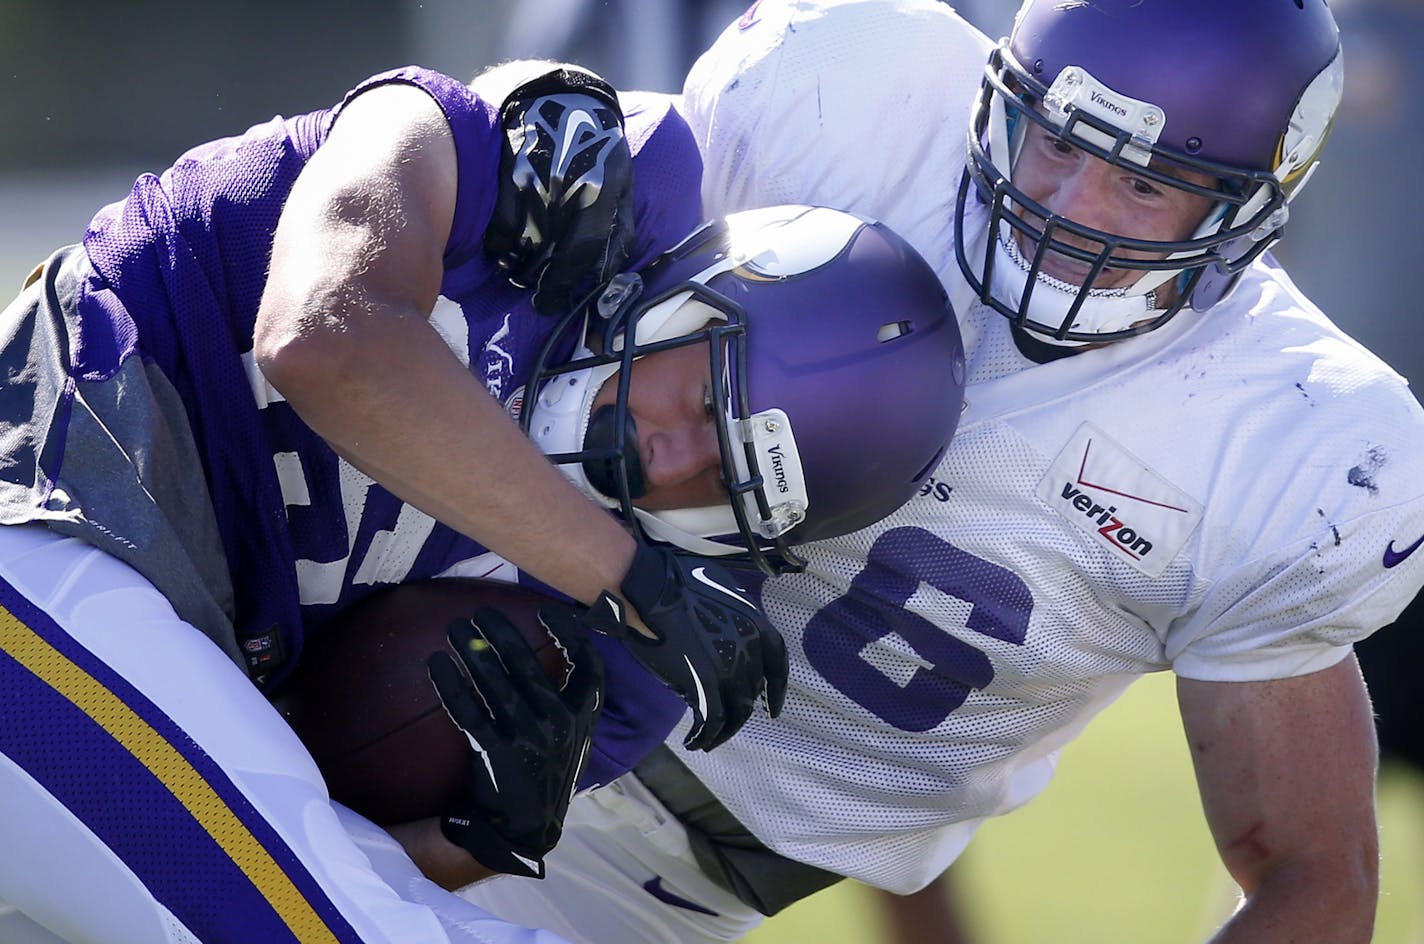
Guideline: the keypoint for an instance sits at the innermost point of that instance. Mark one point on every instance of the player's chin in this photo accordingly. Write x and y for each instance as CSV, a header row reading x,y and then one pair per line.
x,y
1076,272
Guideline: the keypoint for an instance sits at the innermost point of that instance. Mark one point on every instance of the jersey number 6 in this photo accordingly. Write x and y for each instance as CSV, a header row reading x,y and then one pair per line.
x,y
900,560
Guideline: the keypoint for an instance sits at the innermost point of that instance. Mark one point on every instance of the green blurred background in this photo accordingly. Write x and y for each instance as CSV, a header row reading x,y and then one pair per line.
x,y
1115,850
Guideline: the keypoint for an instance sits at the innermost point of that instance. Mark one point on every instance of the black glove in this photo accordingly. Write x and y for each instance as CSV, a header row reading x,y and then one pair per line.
x,y
714,647
529,737
563,217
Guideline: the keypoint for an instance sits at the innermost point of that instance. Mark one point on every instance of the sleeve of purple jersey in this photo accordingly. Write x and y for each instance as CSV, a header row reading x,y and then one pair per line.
x,y
667,174
474,125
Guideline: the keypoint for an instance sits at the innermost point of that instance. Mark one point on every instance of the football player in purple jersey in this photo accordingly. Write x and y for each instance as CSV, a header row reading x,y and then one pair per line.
x,y
258,389
1170,460
291,369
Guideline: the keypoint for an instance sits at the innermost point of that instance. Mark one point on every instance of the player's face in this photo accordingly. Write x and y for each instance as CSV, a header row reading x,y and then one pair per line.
x,y
1089,191
670,399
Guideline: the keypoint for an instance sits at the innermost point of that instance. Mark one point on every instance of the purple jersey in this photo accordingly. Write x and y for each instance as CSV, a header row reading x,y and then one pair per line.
x,y
173,278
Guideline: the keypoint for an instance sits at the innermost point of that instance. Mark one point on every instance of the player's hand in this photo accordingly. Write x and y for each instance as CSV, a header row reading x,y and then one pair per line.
x,y
529,736
563,217
713,646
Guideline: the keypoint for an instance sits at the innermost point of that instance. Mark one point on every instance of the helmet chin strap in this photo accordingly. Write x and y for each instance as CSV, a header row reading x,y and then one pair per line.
x,y
685,528
1104,310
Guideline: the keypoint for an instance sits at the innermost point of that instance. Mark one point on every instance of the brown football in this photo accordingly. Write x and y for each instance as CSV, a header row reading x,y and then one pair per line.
x,y
364,706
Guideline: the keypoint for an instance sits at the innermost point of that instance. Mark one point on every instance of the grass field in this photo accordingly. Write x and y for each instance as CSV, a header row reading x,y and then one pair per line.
x,y
1115,850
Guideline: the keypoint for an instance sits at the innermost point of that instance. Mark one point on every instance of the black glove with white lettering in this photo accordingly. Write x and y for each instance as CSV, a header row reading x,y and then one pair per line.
x,y
563,217
713,646
529,736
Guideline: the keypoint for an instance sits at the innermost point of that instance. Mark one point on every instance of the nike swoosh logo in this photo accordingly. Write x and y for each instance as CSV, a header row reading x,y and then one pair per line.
x,y
697,684
475,746
654,887
698,574
1393,558
577,121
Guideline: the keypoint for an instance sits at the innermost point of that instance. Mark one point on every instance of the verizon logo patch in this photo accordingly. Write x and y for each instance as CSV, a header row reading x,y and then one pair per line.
x,y
1120,503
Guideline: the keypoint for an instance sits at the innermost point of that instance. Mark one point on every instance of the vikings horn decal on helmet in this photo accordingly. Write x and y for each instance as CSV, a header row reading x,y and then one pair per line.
x,y
838,379
1242,94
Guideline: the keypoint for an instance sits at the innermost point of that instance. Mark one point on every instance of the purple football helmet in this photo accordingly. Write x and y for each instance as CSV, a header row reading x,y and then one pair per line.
x,y
841,379
1242,93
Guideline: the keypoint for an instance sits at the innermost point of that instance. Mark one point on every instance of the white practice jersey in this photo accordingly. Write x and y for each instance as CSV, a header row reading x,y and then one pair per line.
x,y
1236,496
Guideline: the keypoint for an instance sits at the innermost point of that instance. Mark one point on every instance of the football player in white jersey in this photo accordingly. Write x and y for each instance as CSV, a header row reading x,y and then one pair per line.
x,y
1170,460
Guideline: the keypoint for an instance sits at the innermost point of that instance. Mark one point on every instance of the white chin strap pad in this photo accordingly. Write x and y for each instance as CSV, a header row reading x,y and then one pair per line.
x,y
1104,311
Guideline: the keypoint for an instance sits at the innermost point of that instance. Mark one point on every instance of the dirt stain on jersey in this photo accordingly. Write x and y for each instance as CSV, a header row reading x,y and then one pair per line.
x,y
1363,475
1334,531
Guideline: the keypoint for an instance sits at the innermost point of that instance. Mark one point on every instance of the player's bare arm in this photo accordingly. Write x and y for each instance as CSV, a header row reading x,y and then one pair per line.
x,y
342,333
1286,772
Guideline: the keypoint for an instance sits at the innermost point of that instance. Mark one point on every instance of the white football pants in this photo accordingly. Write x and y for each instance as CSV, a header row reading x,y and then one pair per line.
x,y
150,794
622,873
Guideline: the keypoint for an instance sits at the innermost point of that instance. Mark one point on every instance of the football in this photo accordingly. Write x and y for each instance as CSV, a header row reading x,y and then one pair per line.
x,y
364,706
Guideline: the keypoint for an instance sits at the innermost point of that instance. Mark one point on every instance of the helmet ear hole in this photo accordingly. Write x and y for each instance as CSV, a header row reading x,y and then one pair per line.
x,y
892,330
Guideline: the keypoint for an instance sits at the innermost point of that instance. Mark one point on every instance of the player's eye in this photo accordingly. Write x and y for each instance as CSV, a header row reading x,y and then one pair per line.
x,y
709,403
1144,188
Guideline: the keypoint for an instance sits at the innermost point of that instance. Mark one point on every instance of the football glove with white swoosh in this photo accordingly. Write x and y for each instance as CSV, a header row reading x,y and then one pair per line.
x,y
529,736
563,215
714,647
